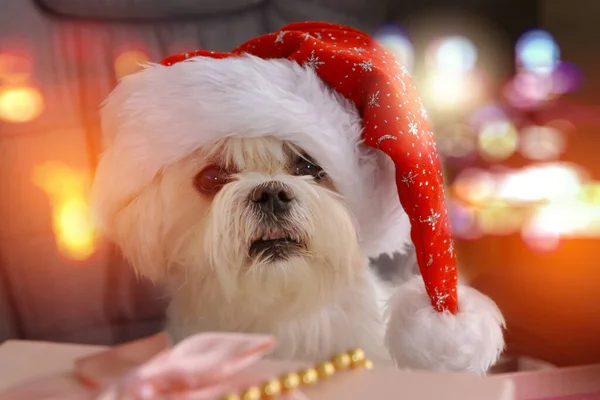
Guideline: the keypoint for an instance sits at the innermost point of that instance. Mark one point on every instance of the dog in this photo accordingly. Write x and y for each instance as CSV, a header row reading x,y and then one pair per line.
x,y
255,238
256,194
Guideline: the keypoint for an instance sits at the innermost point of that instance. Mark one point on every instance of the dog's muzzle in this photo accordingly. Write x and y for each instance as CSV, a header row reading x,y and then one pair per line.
x,y
274,200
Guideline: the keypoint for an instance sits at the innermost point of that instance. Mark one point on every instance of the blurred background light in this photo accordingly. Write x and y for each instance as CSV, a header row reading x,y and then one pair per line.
x,y
529,90
590,193
497,140
485,114
566,219
541,143
454,55
474,186
396,41
566,78
463,220
456,140
130,62
541,183
67,191
449,92
20,104
499,218
537,52
451,81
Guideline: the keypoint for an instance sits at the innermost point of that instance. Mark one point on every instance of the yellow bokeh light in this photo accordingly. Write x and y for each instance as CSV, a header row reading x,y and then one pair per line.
x,y
447,91
20,104
129,62
498,140
474,186
499,218
590,193
67,191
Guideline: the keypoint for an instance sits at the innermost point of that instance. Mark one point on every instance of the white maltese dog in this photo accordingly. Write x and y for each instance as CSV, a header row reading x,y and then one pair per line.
x,y
255,238
257,194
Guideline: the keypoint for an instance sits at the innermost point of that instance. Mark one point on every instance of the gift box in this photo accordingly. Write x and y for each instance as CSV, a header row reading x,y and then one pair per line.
x,y
37,370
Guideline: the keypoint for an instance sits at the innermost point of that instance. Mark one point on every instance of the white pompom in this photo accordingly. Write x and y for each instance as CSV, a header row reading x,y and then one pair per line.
x,y
419,337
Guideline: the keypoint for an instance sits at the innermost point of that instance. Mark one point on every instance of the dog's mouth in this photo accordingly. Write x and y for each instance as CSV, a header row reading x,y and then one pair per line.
x,y
275,245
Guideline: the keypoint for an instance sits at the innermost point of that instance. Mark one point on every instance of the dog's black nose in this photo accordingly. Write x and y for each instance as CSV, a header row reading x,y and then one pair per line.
x,y
272,197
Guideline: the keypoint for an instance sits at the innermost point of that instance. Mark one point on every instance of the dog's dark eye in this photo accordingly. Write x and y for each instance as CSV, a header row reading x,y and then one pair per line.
x,y
211,179
306,167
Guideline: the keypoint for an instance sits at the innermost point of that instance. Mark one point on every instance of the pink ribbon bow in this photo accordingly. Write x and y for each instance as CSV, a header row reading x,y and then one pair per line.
x,y
206,366
202,367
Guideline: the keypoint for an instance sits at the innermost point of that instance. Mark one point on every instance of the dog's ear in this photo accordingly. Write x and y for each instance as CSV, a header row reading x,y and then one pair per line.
x,y
137,230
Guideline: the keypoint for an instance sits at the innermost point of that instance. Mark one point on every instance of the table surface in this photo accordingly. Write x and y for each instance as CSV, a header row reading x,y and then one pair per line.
x,y
22,360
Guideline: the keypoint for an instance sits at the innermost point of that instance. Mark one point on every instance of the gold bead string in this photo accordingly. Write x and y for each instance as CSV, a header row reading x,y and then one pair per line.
x,y
352,359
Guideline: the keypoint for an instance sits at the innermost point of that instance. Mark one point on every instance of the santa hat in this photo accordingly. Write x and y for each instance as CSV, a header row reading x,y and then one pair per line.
x,y
334,92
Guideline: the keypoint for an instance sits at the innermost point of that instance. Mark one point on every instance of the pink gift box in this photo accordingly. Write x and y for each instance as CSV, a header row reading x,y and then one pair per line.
x,y
574,383
87,368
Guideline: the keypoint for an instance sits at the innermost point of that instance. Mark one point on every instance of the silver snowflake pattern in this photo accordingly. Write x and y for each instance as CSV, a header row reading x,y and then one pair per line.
x,y
318,35
383,138
280,36
450,247
307,36
358,50
432,219
430,261
409,178
313,61
422,109
440,298
404,70
365,65
374,99
413,128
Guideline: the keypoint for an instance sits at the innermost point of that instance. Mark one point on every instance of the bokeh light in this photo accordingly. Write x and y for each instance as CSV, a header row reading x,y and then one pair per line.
x,y
67,191
499,218
541,143
540,235
396,40
537,51
590,193
561,219
463,220
497,140
454,55
456,140
474,186
541,183
20,104
130,62
529,90
485,114
566,78
447,92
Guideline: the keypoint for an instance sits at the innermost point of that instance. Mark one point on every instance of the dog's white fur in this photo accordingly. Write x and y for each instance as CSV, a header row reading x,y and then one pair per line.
x,y
316,303
164,124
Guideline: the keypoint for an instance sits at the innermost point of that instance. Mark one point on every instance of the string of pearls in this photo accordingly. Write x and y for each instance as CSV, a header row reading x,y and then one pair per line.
x,y
306,377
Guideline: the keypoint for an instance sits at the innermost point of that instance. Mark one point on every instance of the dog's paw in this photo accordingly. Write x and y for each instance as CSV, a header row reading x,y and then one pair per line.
x,y
419,337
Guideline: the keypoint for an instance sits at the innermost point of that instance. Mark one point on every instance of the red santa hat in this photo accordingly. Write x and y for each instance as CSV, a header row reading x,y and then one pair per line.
x,y
334,92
